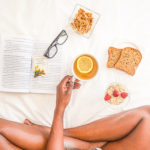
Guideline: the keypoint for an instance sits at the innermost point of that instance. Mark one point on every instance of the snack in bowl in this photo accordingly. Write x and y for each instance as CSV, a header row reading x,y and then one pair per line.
x,y
116,94
85,67
83,21
126,59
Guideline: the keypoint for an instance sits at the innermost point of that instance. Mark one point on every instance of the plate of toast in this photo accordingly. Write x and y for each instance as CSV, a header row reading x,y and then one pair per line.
x,y
124,56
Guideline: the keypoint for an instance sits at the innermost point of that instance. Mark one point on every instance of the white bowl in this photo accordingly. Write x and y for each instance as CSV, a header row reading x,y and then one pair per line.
x,y
96,17
122,105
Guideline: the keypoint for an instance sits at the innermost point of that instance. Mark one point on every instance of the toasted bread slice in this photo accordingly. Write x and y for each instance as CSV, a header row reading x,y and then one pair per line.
x,y
114,55
129,60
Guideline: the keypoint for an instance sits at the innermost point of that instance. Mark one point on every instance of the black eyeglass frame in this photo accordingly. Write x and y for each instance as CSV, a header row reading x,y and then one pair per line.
x,y
55,43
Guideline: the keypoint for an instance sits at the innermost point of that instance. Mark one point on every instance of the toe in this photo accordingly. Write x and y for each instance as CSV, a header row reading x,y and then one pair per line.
x,y
27,122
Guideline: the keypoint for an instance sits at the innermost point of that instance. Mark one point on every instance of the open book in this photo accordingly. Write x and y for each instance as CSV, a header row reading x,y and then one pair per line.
x,y
17,71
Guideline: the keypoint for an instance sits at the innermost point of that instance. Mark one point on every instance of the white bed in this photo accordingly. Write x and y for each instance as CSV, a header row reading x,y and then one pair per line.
x,y
44,19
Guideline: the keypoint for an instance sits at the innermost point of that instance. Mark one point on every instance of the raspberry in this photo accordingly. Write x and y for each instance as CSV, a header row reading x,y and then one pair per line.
x,y
107,97
124,94
115,93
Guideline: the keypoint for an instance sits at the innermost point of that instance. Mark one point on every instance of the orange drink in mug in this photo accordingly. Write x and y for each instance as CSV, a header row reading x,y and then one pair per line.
x,y
85,67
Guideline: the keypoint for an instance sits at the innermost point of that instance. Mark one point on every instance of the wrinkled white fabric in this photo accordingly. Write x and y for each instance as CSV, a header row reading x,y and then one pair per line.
x,y
44,19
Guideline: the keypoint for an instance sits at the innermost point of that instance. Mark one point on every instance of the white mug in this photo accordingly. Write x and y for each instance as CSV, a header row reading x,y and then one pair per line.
x,y
74,74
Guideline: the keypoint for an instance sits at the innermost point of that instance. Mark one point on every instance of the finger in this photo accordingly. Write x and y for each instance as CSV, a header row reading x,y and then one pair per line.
x,y
65,79
77,85
70,87
69,83
77,80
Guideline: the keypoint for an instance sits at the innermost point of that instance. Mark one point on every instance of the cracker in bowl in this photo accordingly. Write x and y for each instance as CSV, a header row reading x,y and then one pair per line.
x,y
83,21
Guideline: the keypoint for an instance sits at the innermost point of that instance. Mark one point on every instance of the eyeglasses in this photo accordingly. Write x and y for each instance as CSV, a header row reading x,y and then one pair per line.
x,y
59,40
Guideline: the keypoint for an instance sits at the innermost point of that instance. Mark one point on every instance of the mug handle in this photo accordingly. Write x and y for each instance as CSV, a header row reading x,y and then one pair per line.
x,y
74,78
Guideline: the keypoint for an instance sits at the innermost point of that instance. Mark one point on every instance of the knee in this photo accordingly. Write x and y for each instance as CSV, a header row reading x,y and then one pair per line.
x,y
2,125
145,110
40,143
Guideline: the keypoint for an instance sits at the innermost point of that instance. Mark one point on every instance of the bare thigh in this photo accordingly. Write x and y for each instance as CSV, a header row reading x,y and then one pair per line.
x,y
138,139
24,136
7,145
21,136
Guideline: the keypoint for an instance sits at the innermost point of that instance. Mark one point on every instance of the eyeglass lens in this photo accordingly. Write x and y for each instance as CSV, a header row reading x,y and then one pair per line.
x,y
62,38
52,52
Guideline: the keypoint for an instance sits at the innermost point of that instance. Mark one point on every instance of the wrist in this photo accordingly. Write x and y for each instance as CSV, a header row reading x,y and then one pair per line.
x,y
59,110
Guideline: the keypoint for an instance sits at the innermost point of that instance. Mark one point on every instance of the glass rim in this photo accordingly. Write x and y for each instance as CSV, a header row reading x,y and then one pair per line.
x,y
46,54
57,38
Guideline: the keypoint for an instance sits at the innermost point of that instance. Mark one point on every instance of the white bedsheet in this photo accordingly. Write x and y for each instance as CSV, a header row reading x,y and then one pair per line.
x,y
44,19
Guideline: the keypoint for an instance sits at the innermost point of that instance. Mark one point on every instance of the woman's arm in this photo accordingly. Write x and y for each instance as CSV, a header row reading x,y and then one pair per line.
x,y
56,141
64,91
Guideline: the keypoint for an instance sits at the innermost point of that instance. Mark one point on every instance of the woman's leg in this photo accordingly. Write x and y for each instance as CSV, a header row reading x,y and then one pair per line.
x,y
23,136
6,145
107,129
68,141
111,128
138,139
103,129
35,138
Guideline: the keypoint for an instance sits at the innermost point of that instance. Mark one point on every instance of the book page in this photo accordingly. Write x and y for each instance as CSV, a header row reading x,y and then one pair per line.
x,y
1,62
54,69
16,64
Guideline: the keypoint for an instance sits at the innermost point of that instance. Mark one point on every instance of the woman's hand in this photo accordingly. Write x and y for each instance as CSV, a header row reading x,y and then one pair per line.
x,y
64,91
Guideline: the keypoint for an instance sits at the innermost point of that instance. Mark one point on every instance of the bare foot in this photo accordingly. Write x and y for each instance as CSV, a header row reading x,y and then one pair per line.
x,y
28,122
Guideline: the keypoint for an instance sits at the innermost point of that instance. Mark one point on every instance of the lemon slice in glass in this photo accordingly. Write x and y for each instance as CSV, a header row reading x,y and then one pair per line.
x,y
84,64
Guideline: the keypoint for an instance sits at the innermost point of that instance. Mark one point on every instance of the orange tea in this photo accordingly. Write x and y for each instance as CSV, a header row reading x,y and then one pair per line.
x,y
85,67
